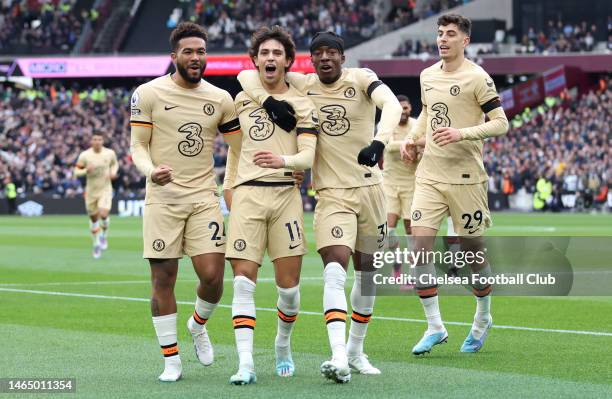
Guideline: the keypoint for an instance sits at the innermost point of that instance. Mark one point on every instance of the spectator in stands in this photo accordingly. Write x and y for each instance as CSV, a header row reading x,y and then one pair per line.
x,y
39,27
572,140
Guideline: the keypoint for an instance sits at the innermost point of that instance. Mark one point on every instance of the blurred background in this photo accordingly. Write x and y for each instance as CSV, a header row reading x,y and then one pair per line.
x,y
68,68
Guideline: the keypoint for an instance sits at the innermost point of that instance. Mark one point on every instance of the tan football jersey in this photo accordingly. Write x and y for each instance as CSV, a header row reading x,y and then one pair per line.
x,y
457,99
346,121
105,163
395,171
184,123
259,133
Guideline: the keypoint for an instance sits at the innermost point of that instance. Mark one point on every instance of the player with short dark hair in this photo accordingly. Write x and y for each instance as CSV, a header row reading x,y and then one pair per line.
x,y
174,121
99,165
266,205
456,94
350,217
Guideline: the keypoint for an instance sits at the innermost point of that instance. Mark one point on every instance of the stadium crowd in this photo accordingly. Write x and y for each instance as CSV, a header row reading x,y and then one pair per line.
x,y
567,147
558,37
42,131
230,24
40,27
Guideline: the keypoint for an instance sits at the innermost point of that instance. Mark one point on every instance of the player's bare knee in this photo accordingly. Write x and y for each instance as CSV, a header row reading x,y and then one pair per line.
x,y
363,262
336,253
163,274
246,268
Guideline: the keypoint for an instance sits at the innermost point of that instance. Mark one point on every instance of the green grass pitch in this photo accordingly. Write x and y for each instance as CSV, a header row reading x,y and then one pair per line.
x,y
64,314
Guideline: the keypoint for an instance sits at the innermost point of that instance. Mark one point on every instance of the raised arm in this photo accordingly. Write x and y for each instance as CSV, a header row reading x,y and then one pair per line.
x,y
281,112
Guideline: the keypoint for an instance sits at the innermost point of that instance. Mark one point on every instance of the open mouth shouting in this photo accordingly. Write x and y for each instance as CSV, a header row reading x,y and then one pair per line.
x,y
270,70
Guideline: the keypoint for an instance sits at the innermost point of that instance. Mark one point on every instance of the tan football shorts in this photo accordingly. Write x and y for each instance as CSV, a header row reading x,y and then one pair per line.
x,y
353,217
97,201
399,199
266,218
173,230
467,205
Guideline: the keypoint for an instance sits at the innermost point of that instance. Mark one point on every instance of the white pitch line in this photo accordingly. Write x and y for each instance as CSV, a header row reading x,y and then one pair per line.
x,y
456,323
127,282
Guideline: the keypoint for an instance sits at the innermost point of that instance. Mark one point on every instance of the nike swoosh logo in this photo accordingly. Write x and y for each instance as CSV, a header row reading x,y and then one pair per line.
x,y
429,88
245,103
294,246
169,107
217,244
310,93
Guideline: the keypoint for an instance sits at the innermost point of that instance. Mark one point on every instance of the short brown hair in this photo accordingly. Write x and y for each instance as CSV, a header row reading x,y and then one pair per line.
x,y
277,33
463,23
186,29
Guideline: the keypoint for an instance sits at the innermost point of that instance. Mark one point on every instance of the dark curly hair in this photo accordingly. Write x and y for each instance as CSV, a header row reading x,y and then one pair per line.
x,y
464,24
186,29
277,33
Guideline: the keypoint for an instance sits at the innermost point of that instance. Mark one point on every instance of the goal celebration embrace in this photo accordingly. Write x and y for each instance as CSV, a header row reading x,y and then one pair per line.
x,y
280,125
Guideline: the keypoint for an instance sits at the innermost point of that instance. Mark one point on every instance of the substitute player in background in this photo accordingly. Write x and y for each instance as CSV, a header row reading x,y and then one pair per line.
x,y
350,216
398,178
174,121
99,165
456,95
266,205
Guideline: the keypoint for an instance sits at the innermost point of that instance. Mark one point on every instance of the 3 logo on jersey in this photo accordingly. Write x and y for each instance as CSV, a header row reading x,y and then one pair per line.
x,y
193,143
440,119
263,127
335,122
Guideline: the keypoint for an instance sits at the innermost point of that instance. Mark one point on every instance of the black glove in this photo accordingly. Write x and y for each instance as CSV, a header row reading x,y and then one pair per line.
x,y
371,154
281,113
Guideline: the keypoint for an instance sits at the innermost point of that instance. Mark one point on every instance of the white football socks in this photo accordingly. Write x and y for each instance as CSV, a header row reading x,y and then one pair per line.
x,y
362,312
334,308
432,313
288,306
165,328
203,311
243,315
482,316
104,224
94,228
